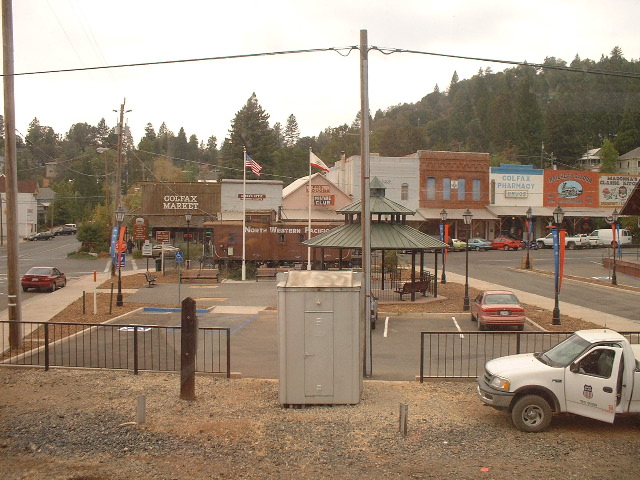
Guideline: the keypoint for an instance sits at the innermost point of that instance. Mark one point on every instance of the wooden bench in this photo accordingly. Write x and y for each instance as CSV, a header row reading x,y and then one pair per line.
x,y
151,280
413,287
200,274
270,272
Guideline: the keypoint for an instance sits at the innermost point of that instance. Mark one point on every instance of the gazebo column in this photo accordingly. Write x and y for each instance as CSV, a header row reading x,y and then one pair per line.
x,y
382,272
421,265
435,274
413,274
339,259
322,259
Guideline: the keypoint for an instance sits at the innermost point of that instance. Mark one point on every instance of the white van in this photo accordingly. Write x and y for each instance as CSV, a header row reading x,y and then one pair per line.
x,y
603,237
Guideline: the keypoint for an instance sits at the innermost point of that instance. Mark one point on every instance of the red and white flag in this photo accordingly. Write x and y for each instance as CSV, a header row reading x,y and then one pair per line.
x,y
253,165
316,162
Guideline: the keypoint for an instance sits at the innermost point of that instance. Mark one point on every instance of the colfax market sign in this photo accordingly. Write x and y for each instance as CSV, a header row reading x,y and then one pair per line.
x,y
180,202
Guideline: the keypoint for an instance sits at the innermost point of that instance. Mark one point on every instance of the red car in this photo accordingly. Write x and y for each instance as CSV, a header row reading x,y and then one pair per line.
x,y
43,278
505,243
494,308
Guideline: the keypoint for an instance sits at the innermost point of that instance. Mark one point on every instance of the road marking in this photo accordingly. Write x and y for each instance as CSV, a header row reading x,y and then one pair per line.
x,y
386,326
457,326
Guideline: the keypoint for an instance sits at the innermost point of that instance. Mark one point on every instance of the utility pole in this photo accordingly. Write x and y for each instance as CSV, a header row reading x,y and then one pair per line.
x,y
118,183
365,214
13,290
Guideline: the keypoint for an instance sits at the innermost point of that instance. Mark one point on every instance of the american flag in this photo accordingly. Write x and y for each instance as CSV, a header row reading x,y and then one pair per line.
x,y
253,165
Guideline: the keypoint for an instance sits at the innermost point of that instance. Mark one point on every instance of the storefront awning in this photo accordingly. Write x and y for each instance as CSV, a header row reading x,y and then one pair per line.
x,y
520,211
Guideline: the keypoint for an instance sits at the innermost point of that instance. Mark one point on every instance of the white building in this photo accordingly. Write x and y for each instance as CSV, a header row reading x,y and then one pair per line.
x,y
27,214
629,163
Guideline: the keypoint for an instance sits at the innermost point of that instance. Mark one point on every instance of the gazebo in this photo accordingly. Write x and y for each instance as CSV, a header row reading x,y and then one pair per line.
x,y
389,231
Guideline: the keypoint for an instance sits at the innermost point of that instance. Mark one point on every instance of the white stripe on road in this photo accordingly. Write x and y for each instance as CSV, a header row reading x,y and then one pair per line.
x,y
386,326
457,326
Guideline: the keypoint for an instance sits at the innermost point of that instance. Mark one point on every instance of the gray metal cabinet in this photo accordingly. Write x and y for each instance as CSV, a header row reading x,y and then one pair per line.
x,y
320,329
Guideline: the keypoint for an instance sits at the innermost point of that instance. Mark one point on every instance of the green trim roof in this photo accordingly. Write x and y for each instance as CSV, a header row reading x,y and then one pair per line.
x,y
378,205
383,235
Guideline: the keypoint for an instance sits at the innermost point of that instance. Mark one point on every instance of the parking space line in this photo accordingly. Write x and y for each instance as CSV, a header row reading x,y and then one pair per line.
x,y
386,326
457,326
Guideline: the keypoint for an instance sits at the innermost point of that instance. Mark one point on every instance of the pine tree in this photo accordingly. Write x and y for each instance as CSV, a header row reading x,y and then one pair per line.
x,y
249,129
608,158
291,132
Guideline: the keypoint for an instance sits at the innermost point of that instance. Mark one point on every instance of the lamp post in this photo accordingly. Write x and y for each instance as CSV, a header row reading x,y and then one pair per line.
x,y
119,219
187,217
443,218
527,265
615,215
467,216
558,217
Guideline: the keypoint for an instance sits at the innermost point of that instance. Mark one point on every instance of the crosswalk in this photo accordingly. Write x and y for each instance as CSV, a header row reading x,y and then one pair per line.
x,y
134,265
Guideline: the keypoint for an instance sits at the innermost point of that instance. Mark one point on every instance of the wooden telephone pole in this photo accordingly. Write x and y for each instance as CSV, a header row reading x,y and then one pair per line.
x,y
13,279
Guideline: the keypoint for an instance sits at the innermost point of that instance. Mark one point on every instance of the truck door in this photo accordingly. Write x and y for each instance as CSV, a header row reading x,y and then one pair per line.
x,y
591,383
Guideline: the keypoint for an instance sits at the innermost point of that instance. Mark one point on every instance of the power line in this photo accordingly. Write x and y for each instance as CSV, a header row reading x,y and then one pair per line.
x,y
338,50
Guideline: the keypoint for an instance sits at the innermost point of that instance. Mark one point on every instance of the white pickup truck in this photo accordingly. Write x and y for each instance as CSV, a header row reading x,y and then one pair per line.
x,y
570,242
593,373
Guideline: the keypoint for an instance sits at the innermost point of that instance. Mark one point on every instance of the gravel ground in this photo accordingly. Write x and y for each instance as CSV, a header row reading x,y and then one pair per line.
x,y
78,424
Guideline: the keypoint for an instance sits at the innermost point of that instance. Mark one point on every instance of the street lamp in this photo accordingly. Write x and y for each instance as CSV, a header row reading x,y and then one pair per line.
x,y
527,265
443,218
187,217
467,216
615,215
558,217
119,219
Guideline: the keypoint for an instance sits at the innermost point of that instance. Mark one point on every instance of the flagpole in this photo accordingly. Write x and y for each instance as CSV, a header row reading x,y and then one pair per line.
x,y
244,212
309,226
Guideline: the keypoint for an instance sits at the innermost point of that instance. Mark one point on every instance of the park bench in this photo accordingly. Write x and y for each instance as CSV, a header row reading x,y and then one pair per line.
x,y
151,280
200,274
413,287
270,272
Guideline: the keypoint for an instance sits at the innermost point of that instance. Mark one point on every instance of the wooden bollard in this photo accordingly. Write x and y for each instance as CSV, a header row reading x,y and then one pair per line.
x,y
404,414
188,350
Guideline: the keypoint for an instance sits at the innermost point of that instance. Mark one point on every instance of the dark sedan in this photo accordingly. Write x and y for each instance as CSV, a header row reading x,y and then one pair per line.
x,y
43,278
41,236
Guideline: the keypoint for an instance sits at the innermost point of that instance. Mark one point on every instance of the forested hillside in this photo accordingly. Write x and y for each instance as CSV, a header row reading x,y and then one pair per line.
x,y
522,115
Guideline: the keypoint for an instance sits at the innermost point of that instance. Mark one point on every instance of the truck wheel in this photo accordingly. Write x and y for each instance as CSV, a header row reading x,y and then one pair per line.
x,y
571,245
531,414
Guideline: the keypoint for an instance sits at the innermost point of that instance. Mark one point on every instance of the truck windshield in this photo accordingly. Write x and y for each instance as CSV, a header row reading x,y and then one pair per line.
x,y
564,353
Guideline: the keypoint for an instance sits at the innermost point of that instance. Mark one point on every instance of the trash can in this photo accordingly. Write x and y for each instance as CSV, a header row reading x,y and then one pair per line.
x,y
158,264
320,328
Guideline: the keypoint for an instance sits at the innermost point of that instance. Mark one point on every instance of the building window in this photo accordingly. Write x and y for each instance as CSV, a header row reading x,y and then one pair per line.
x,y
462,186
281,238
446,188
475,189
431,188
232,238
404,191
302,237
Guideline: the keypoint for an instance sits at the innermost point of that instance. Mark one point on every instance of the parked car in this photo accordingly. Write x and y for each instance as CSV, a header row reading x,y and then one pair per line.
x,y
169,250
43,278
41,236
66,230
497,308
478,244
457,245
505,243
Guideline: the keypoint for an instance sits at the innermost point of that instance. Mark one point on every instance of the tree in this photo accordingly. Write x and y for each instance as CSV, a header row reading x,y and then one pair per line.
x,y
249,129
608,157
291,132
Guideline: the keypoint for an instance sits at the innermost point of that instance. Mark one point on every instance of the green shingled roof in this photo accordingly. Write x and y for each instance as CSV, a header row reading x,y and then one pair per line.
x,y
378,205
383,235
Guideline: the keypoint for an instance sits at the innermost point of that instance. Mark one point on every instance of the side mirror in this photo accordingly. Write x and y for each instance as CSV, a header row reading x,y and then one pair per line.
x,y
574,368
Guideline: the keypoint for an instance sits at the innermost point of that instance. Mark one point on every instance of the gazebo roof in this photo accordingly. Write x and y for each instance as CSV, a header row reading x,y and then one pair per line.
x,y
383,236
378,205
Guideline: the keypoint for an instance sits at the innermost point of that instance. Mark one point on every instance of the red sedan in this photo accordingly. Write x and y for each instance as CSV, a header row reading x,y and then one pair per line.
x,y
505,243
494,308
43,278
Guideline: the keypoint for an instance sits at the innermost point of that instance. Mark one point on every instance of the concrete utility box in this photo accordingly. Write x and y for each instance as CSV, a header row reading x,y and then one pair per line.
x,y
320,331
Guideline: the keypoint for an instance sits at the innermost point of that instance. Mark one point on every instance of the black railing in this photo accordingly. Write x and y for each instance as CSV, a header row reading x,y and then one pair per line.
x,y
463,354
114,346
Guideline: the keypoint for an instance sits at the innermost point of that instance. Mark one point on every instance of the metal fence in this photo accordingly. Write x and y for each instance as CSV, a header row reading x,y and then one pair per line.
x,y
464,354
114,346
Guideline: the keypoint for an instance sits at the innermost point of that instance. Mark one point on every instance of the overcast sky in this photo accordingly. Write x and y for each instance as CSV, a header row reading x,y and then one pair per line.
x,y
321,89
